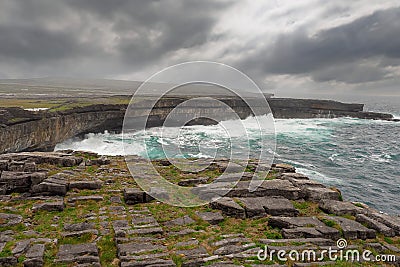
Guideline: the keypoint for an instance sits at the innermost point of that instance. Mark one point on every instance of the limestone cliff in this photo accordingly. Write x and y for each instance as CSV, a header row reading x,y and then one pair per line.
x,y
22,130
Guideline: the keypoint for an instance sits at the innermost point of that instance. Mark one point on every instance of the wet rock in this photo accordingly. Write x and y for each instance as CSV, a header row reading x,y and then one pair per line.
x,y
339,207
211,217
50,206
374,224
352,229
133,196
82,185
229,207
7,219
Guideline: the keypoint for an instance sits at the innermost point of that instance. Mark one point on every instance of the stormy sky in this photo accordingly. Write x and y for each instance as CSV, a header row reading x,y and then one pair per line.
x,y
286,46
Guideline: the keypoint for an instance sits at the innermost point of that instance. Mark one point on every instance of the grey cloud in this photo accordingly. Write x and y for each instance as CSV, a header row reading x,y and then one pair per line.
x,y
327,54
140,33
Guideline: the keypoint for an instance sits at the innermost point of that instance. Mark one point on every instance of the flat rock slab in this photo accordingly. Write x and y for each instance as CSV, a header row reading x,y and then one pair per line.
x,y
138,248
276,206
320,193
303,183
36,251
139,221
121,225
193,182
85,198
79,233
54,185
185,220
231,241
278,187
211,217
339,207
376,225
270,188
294,222
79,253
50,206
284,168
21,247
78,226
134,196
199,252
352,229
315,241
229,207
311,232
7,219
89,185
290,175
149,262
147,231
388,220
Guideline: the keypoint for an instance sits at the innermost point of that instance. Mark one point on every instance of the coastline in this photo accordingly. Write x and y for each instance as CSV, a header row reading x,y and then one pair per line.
x,y
94,195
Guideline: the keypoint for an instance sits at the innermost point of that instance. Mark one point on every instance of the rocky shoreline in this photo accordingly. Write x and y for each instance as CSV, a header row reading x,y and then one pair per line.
x,y
22,130
80,209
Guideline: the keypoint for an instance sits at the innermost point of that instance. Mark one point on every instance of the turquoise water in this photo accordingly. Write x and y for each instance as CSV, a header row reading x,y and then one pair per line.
x,y
360,157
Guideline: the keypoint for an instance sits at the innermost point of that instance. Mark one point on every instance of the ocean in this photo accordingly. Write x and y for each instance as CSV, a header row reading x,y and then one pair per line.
x,y
359,157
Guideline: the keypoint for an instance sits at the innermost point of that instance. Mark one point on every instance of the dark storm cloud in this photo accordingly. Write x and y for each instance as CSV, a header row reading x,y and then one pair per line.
x,y
327,55
132,39
122,34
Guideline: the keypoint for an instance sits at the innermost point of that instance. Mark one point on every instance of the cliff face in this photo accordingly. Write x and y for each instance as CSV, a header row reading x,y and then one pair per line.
x,y
21,130
44,132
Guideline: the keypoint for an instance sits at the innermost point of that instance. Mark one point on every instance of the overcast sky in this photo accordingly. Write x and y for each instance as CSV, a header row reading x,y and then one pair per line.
x,y
287,47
